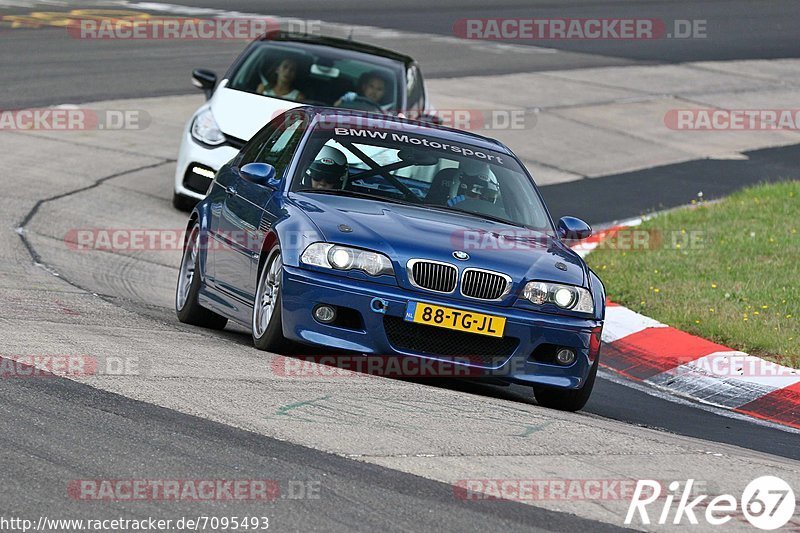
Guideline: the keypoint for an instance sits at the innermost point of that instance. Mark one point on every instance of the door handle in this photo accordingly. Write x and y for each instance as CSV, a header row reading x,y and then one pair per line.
x,y
231,191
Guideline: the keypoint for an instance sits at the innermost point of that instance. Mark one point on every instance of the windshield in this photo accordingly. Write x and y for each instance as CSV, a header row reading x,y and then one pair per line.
x,y
320,75
417,169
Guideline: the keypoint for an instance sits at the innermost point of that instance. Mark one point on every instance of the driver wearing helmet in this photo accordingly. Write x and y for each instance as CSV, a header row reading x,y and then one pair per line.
x,y
328,170
476,184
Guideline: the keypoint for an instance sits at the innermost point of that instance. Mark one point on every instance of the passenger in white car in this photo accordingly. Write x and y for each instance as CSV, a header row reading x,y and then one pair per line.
x,y
280,80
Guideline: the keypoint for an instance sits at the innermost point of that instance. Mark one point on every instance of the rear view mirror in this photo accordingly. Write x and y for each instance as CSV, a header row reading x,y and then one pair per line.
x,y
204,79
323,70
413,156
431,119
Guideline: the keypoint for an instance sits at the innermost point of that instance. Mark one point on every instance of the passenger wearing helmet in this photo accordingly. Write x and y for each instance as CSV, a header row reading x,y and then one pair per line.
x,y
476,184
329,169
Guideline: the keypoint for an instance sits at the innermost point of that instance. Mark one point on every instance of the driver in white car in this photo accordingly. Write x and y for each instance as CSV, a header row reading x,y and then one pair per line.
x,y
371,86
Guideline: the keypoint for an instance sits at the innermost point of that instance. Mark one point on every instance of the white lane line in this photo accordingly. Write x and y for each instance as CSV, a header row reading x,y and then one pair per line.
x,y
728,379
747,368
656,391
621,322
713,390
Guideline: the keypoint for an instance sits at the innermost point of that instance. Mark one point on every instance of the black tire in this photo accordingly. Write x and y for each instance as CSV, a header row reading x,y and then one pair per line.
x,y
183,203
271,339
567,400
189,310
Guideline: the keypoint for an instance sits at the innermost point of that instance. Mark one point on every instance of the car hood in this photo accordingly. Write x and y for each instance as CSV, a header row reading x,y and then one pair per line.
x,y
407,232
241,115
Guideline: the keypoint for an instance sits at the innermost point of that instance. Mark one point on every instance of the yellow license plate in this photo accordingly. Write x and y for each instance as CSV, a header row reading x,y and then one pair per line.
x,y
458,319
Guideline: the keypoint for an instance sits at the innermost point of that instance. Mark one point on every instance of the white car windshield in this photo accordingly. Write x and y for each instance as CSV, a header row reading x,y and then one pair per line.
x,y
320,75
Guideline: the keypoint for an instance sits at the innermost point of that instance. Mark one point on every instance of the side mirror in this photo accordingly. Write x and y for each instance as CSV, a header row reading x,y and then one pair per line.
x,y
204,79
573,229
261,174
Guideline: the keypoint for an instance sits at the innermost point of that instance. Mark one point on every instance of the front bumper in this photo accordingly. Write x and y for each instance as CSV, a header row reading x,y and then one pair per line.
x,y
302,290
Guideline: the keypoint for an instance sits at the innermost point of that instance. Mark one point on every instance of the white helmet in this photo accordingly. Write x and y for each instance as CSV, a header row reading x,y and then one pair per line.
x,y
477,181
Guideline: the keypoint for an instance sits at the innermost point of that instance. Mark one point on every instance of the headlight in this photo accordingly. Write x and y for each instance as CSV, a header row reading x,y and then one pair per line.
x,y
326,255
564,296
205,129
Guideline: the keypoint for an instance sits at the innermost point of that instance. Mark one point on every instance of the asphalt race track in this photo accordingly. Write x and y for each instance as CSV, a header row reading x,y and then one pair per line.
x,y
119,431
383,453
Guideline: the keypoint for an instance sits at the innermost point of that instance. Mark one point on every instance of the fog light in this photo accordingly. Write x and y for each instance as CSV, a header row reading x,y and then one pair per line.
x,y
565,357
325,314
206,173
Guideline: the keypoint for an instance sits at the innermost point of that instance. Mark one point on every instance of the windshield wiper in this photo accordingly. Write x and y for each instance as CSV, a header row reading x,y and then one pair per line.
x,y
478,215
355,194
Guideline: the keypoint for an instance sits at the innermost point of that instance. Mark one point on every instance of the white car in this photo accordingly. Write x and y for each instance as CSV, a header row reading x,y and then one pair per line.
x,y
279,72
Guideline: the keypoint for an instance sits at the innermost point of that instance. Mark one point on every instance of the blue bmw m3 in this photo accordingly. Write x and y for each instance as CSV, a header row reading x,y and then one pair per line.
x,y
380,236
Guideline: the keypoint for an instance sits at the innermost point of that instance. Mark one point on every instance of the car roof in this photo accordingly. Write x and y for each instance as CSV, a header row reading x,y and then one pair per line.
x,y
356,118
335,42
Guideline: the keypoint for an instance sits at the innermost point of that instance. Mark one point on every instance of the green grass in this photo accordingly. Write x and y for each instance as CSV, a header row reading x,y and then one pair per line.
x,y
727,271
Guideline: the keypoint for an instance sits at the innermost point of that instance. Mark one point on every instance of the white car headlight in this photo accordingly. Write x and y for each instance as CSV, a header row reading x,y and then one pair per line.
x,y
206,130
327,255
564,296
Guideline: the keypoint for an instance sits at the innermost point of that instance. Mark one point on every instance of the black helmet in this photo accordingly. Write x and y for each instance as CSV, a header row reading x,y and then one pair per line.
x,y
329,166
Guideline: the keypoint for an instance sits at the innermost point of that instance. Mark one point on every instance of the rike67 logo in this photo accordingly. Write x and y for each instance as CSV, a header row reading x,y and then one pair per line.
x,y
767,503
